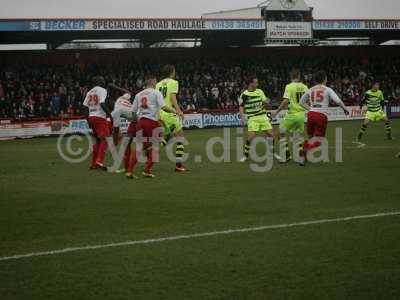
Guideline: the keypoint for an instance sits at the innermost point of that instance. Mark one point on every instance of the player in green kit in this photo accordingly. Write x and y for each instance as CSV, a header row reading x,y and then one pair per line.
x,y
293,122
172,123
252,104
374,100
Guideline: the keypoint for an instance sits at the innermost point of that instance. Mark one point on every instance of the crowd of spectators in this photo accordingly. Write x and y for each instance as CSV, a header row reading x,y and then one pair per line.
x,y
28,91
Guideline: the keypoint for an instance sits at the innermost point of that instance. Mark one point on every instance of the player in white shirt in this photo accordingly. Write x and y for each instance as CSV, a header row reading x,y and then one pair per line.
x,y
147,106
98,113
123,110
316,102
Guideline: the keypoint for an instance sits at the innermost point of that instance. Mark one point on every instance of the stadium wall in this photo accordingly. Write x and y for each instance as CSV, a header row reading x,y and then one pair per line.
x,y
212,119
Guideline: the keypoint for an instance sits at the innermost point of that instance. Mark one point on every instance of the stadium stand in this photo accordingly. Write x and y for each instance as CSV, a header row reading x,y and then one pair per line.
x,y
53,84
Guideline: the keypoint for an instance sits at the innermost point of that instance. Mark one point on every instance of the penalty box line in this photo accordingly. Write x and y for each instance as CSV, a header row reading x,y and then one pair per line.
x,y
197,235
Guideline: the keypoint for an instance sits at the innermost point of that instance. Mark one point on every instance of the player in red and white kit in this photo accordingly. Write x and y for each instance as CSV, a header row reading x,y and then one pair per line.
x,y
123,109
98,113
316,101
147,106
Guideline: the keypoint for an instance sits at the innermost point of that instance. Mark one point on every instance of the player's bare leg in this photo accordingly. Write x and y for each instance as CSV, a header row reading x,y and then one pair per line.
x,y
284,143
269,134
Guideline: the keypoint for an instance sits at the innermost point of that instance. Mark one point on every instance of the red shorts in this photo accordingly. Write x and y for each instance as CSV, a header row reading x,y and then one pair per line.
x,y
316,124
110,125
132,129
148,127
99,127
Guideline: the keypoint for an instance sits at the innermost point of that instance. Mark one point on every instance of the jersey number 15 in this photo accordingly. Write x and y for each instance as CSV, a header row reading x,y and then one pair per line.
x,y
317,96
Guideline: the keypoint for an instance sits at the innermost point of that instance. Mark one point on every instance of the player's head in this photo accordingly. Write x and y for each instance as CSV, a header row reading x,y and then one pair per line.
x,y
99,81
252,83
169,71
321,77
376,85
295,75
151,80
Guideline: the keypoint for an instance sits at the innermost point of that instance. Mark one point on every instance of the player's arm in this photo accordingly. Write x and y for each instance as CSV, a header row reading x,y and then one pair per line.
x,y
104,104
241,109
266,100
335,98
116,116
284,104
363,101
161,104
174,99
85,107
169,109
382,99
175,104
106,109
112,85
305,101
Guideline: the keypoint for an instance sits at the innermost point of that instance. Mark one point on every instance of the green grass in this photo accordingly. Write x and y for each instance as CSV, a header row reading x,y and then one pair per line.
x,y
49,204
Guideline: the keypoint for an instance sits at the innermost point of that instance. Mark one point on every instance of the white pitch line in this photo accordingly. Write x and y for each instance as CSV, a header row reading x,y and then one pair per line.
x,y
197,235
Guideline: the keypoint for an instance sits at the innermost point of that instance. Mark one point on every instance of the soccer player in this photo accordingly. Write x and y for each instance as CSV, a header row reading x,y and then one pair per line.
x,y
123,109
147,106
172,122
252,104
293,122
98,113
375,101
316,101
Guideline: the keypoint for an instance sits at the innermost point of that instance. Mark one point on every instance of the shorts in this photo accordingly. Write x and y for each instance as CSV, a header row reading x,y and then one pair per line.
x,y
171,122
292,123
316,124
375,116
149,129
99,126
259,123
132,129
110,125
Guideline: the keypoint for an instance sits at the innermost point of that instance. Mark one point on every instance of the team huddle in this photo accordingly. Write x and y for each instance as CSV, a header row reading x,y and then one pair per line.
x,y
156,114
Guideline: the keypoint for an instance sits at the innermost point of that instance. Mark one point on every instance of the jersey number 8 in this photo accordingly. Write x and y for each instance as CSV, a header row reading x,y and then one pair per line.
x,y
144,102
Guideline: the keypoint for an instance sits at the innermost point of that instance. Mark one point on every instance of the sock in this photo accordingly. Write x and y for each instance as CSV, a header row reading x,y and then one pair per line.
x,y
127,156
388,129
165,140
132,162
247,148
150,162
362,131
102,152
95,151
179,152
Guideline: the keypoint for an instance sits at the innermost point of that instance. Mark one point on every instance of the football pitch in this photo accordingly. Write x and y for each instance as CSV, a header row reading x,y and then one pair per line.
x,y
220,231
